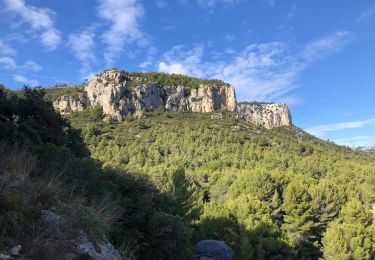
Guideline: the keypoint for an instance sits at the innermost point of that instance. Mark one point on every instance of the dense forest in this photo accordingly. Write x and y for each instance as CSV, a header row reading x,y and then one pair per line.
x,y
155,186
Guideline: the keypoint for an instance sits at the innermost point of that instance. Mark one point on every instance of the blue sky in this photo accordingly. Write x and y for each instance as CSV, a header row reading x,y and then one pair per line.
x,y
318,56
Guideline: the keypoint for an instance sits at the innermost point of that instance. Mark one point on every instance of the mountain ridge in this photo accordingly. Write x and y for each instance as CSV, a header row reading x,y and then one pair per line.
x,y
120,93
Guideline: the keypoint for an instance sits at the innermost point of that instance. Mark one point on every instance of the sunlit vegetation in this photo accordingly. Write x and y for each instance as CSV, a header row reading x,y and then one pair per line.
x,y
155,186
267,193
166,79
52,93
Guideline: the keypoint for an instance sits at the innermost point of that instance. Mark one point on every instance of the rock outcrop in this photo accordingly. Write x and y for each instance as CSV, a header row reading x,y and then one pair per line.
x,y
268,115
119,94
67,103
98,250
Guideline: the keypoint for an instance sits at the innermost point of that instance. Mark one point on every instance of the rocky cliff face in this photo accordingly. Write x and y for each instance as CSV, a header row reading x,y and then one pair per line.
x,y
119,94
267,115
67,103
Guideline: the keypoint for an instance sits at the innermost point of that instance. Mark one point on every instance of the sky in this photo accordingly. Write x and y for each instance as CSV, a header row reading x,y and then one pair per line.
x,y
317,56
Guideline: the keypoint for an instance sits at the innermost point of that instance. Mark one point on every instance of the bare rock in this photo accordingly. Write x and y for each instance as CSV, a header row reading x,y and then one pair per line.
x,y
119,95
267,115
68,103
177,99
105,251
217,116
4,256
15,251
51,218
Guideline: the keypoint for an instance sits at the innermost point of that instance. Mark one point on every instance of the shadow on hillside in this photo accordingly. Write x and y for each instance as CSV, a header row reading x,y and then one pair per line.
x,y
60,175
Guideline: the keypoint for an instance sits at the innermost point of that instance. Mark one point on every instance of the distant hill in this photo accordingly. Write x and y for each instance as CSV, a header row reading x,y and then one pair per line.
x,y
370,150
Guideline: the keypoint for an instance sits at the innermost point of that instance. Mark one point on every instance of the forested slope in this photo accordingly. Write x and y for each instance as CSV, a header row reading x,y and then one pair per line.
x,y
278,193
155,186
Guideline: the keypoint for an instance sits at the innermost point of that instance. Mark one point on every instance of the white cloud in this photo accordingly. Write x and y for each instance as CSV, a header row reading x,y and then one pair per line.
x,y
262,72
31,66
24,80
17,37
82,45
51,38
5,49
183,62
151,52
259,72
326,45
8,63
321,130
39,19
172,68
124,17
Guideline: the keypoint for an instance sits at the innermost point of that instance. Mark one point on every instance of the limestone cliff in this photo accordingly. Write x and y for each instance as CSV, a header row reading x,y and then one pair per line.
x,y
70,103
266,114
120,93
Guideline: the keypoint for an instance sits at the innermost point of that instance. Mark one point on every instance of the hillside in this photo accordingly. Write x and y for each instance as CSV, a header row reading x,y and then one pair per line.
x,y
120,93
153,185
269,194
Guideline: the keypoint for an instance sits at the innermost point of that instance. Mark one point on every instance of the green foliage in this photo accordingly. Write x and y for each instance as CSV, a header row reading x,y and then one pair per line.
x,y
44,165
267,193
166,79
52,93
174,178
352,236
254,103
348,241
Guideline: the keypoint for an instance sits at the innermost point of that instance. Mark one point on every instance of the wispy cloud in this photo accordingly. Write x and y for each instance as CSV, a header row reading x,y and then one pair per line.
x,y
5,49
30,66
326,45
179,61
24,80
321,130
124,17
366,15
41,21
7,63
149,59
82,45
356,141
263,72
259,72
